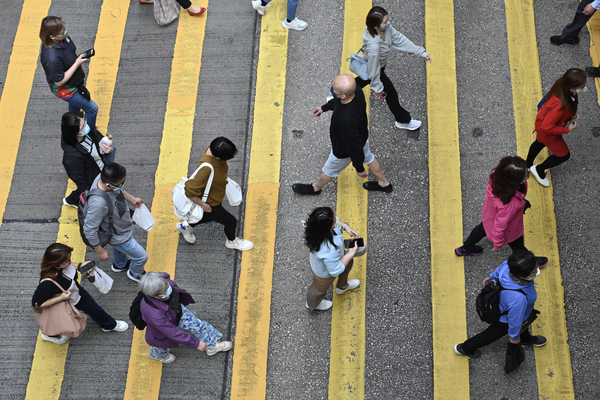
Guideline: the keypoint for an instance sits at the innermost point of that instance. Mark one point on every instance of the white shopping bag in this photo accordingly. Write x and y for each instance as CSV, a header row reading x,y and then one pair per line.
x,y
102,281
233,192
143,218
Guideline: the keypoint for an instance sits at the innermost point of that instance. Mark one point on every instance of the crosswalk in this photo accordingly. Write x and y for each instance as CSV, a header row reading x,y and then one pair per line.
x,y
247,377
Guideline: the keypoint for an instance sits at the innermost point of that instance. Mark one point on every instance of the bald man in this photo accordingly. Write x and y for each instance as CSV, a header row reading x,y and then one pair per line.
x,y
349,133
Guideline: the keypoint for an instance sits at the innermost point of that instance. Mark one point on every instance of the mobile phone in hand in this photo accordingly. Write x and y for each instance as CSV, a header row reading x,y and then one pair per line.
x,y
349,243
89,54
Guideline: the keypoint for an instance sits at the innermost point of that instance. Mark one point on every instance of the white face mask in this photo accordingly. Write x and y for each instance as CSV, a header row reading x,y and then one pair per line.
x,y
533,277
581,90
385,27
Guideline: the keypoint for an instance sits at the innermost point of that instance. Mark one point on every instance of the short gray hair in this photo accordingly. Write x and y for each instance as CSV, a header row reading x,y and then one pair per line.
x,y
153,283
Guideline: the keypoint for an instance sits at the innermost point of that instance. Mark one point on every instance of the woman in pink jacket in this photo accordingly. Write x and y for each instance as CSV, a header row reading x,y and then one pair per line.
x,y
502,211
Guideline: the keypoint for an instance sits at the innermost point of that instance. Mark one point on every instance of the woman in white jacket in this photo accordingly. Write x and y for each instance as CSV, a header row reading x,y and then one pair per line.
x,y
378,39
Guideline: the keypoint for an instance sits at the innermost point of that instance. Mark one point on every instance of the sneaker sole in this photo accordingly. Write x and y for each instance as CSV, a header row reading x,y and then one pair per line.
x,y
118,269
458,253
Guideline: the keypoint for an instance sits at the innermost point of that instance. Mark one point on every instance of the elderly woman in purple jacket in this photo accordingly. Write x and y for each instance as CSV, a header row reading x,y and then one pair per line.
x,y
170,323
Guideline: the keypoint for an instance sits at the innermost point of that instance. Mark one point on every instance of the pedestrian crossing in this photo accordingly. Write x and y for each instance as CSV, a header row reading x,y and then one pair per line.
x,y
249,378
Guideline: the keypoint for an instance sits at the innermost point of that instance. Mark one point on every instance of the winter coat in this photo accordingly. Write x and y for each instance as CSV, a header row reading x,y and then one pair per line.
x,y
503,223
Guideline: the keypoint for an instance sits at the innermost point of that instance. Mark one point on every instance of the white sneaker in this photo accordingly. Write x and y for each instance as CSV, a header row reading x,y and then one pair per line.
x,y
323,305
167,360
58,340
121,327
544,182
296,24
186,230
353,284
239,244
67,204
411,126
257,5
222,346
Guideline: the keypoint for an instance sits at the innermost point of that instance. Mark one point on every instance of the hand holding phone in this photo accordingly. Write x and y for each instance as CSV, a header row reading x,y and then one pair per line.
x,y
88,54
349,243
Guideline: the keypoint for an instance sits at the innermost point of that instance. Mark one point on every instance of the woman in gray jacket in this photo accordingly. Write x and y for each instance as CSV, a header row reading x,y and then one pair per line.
x,y
378,39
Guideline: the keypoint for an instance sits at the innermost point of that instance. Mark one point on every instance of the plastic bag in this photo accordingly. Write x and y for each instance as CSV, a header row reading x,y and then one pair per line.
x,y
102,281
233,191
165,11
143,218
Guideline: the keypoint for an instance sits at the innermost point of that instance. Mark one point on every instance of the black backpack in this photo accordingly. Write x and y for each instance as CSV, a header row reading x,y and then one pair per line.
x,y
135,315
487,303
82,210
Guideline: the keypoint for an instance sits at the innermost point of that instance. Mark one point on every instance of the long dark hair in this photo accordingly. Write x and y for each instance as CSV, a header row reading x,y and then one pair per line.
x,y
507,176
318,228
69,127
374,19
55,255
573,78
51,26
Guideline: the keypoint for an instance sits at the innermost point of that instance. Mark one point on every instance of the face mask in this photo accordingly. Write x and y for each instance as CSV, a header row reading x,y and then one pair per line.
x,y
385,27
166,295
86,130
577,91
536,274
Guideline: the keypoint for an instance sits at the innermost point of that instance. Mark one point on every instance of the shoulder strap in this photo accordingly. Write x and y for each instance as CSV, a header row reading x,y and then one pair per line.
x,y
56,283
149,302
210,179
102,193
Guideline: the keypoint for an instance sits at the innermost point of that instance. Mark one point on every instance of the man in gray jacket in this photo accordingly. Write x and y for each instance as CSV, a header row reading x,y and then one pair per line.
x,y
124,246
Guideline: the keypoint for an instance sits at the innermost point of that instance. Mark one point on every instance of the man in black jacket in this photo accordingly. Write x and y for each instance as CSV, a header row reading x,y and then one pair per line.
x,y
349,133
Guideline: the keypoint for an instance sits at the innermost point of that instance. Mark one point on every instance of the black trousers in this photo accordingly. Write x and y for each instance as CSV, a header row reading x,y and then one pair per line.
x,y
571,31
185,4
402,116
221,215
88,305
494,332
478,233
550,162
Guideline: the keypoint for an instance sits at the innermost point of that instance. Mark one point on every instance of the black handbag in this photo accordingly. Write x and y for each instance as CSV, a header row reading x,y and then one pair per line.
x,y
84,91
514,357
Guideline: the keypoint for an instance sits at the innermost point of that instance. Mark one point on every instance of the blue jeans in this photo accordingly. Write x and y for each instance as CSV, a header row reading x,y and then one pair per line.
x,y
77,102
292,5
135,252
203,331
88,305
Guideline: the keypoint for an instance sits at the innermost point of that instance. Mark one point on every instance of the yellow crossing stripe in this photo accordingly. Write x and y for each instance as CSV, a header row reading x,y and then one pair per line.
x,y
47,370
553,361
144,375
347,358
15,96
450,373
249,375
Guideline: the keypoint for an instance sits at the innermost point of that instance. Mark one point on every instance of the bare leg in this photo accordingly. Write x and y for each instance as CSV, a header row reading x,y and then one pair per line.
x,y
323,180
376,169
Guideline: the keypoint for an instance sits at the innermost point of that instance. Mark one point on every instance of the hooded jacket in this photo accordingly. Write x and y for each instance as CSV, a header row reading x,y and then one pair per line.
x,y
503,223
161,328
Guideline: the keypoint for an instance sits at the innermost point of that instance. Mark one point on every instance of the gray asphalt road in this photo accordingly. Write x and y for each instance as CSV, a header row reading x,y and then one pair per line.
x,y
398,323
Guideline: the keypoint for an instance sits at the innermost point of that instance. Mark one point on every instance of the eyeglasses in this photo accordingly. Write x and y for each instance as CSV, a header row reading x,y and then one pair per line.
x,y
116,186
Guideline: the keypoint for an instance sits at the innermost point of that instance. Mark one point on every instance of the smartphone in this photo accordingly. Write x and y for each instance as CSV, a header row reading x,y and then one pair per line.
x,y
349,243
89,54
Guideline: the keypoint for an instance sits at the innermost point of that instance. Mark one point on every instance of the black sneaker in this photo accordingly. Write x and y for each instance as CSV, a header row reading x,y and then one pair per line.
x,y
458,350
541,261
303,188
117,269
373,186
557,40
462,252
536,341
593,72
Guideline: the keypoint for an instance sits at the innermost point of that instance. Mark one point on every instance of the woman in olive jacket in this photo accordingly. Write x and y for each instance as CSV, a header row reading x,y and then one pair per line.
x,y
84,156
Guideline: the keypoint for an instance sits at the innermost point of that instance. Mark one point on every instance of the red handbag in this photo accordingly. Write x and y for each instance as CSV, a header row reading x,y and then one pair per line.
x,y
61,318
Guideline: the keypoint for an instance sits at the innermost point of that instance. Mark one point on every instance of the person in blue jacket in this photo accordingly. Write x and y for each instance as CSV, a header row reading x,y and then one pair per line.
x,y
518,272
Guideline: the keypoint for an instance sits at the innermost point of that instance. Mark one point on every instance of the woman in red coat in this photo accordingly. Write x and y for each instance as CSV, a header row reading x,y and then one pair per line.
x,y
557,117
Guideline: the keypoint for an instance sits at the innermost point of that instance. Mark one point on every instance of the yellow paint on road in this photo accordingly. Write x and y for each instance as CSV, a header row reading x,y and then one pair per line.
x,y
144,375
47,370
450,372
553,361
593,26
347,358
17,87
249,374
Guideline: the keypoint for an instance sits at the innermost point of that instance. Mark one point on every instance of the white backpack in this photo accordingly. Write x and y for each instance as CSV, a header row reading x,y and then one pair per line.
x,y
185,208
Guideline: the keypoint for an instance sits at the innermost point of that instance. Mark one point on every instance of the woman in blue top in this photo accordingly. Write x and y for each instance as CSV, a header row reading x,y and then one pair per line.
x,y
323,236
63,69
517,273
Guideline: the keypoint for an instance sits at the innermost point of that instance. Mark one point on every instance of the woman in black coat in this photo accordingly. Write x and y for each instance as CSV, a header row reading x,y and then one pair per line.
x,y
84,156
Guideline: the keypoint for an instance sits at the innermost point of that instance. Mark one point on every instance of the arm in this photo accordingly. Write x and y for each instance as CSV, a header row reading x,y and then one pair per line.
x,y
353,145
136,201
517,303
503,217
346,226
205,206
551,123
96,212
592,7
402,43
58,72
163,324
327,106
